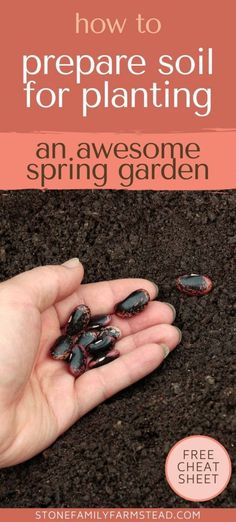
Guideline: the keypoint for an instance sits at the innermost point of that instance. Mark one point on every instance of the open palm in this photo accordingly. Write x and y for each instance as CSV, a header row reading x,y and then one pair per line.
x,y
39,398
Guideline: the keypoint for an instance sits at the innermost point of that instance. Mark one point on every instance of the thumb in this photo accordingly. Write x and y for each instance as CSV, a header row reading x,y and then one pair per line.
x,y
44,286
22,299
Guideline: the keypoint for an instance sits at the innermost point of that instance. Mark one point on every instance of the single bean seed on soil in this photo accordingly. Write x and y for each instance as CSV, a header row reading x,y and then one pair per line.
x,y
133,304
194,284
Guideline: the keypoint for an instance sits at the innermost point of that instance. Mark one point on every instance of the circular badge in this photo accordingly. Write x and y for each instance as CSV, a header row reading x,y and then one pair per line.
x,y
198,468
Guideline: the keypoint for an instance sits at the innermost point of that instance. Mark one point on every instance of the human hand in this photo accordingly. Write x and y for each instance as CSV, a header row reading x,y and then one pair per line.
x,y
39,398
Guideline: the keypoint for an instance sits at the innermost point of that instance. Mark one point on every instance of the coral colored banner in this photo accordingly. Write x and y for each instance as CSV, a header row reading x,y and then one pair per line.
x,y
180,161
50,27
204,515
144,515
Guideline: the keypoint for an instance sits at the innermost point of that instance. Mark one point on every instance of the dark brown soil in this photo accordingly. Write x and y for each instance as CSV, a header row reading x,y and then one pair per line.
x,y
115,456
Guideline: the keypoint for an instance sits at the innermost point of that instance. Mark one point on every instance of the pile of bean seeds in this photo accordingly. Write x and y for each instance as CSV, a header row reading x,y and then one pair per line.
x,y
87,341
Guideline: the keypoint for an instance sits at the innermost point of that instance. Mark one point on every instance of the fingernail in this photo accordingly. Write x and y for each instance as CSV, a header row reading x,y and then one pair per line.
x,y
72,263
179,332
156,287
173,309
166,350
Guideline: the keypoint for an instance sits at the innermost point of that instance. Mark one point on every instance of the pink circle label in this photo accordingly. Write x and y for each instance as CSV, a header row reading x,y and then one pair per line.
x,y
198,468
